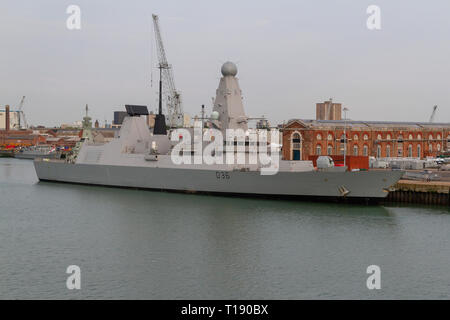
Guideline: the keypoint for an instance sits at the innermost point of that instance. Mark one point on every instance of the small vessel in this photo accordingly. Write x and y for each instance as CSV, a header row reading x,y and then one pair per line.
x,y
139,158
38,151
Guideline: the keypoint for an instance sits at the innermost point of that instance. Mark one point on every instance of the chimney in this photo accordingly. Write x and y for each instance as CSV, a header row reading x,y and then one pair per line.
x,y
7,118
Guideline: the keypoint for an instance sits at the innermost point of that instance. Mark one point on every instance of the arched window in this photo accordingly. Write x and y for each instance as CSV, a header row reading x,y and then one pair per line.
x,y
355,150
319,137
388,137
419,149
330,137
410,137
330,150
355,137
296,146
388,151
379,137
410,151
419,137
365,150
400,138
438,147
378,151
439,137
366,137
430,137
318,150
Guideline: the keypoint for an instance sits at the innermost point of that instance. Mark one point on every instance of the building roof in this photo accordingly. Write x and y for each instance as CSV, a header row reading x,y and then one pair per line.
x,y
371,124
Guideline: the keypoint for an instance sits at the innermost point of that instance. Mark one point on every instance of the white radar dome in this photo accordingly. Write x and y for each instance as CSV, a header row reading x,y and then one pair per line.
x,y
215,115
229,69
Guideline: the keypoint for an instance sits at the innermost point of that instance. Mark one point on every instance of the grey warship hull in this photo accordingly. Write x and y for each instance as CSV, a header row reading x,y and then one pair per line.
x,y
363,185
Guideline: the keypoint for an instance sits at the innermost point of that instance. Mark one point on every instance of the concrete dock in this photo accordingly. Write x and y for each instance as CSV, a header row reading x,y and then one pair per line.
x,y
424,192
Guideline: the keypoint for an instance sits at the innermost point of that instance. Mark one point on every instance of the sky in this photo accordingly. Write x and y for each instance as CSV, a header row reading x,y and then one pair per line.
x,y
290,55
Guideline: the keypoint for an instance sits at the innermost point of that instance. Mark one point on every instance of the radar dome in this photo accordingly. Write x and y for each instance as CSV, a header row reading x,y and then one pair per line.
x,y
215,115
229,69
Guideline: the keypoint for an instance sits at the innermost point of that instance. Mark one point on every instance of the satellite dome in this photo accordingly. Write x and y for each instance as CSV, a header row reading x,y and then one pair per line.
x,y
215,115
229,69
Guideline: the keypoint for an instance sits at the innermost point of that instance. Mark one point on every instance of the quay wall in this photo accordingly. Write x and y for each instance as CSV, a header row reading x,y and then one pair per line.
x,y
421,192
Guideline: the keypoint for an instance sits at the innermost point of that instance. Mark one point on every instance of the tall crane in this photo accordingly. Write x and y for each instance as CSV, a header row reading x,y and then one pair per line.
x,y
433,114
22,120
171,97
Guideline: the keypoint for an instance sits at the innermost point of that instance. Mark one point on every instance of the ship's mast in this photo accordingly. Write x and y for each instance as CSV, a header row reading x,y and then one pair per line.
x,y
171,96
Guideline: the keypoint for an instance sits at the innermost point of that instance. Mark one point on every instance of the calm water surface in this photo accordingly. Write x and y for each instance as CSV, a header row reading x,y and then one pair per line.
x,y
150,245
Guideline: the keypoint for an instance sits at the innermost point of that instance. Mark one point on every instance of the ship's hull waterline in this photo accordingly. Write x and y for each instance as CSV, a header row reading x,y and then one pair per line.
x,y
357,186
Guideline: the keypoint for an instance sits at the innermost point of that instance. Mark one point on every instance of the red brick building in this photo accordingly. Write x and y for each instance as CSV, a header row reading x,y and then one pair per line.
x,y
302,138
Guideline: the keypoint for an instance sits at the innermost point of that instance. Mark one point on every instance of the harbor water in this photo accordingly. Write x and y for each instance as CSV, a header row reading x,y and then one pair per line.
x,y
134,244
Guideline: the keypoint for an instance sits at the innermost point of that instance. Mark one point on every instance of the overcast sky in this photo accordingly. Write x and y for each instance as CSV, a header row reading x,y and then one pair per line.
x,y
290,55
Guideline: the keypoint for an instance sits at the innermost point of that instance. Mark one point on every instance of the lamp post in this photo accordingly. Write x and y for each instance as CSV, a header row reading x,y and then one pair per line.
x,y
345,137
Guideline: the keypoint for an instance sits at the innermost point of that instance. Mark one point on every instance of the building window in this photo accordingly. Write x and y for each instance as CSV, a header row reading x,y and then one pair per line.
x,y
438,147
365,150
430,137
388,151
330,150
410,137
343,148
419,137
355,150
330,137
366,137
400,151
410,151
439,137
319,150
319,136
388,137
430,147
419,151
379,137
400,138
378,151
296,146
355,137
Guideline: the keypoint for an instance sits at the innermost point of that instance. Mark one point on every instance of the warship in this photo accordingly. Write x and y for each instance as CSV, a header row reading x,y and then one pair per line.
x,y
140,158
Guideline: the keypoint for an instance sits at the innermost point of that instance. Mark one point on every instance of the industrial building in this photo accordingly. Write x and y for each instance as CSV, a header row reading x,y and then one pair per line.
x,y
303,138
14,119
